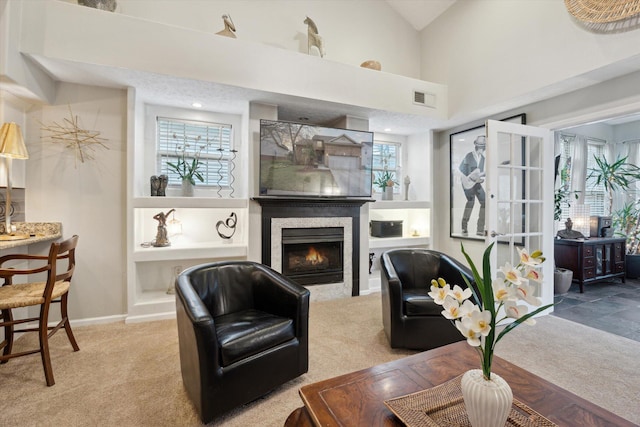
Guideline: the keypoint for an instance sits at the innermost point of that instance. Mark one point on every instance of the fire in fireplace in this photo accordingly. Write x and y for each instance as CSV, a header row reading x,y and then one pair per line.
x,y
313,255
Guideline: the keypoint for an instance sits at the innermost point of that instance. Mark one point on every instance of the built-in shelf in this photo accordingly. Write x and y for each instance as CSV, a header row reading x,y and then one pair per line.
x,y
189,202
400,204
393,242
193,251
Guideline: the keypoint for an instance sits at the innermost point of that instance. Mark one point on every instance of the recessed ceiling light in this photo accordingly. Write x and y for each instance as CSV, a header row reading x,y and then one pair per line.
x,y
387,129
196,105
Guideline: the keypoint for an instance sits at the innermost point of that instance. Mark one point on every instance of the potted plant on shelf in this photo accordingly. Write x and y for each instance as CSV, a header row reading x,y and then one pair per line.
x,y
626,222
386,181
187,169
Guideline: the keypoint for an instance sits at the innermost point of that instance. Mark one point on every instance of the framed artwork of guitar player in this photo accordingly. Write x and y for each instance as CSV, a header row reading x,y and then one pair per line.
x,y
467,160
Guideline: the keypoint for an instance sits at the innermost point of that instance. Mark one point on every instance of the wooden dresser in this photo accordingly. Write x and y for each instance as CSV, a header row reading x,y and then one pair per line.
x,y
592,260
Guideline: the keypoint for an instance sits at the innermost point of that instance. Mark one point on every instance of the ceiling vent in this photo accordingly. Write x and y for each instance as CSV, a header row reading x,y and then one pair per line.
x,y
425,99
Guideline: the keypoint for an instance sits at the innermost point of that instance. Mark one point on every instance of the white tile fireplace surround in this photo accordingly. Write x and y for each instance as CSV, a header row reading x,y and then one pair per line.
x,y
325,291
281,213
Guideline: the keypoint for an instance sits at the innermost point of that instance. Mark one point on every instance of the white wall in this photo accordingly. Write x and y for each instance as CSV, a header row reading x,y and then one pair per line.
x,y
87,198
492,52
353,31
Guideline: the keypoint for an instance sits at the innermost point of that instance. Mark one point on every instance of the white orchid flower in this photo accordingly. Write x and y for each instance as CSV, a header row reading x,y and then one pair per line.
x,y
439,293
473,339
511,274
527,259
467,307
533,274
525,293
451,308
460,294
478,322
502,292
517,311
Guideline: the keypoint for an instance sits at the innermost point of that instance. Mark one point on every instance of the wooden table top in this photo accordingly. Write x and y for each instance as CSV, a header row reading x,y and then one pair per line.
x,y
357,399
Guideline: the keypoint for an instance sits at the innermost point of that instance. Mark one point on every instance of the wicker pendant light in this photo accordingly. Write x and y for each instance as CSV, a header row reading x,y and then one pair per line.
x,y
603,11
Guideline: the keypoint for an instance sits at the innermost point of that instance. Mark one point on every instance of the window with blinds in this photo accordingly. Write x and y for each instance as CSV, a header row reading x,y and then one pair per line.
x,y
594,195
209,143
386,158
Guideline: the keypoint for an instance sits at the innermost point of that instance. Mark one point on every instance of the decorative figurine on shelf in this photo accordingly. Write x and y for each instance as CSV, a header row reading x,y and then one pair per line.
x,y
229,224
229,28
162,238
164,181
568,233
407,181
108,5
313,38
155,185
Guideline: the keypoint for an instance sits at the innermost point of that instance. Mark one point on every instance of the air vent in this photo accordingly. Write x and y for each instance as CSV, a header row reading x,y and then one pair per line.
x,y
424,99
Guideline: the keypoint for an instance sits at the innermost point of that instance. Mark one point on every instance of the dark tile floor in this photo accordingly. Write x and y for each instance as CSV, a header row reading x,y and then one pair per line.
x,y
609,306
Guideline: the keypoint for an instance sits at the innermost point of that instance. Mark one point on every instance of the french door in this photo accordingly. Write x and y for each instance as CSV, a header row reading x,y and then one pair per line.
x,y
519,206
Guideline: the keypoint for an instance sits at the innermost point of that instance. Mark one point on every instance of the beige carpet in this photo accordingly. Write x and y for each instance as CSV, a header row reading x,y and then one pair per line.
x,y
129,375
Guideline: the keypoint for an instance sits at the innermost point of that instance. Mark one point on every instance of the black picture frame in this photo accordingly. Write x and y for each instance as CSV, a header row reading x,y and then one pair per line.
x,y
467,184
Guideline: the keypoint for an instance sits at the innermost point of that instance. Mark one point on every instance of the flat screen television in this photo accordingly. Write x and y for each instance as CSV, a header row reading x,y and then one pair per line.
x,y
314,161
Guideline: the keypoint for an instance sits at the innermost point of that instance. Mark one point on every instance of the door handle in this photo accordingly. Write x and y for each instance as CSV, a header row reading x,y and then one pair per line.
x,y
494,234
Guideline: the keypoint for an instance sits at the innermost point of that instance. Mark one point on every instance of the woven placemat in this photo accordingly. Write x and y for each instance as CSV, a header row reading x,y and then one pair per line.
x,y
442,406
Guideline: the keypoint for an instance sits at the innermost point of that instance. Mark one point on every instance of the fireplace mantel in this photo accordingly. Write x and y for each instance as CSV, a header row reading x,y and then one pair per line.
x,y
298,207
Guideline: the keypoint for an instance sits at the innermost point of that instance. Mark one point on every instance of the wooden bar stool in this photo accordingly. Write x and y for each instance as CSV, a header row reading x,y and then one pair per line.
x,y
54,290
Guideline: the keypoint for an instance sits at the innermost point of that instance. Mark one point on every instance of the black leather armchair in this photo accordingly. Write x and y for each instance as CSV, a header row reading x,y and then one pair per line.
x,y
242,331
410,317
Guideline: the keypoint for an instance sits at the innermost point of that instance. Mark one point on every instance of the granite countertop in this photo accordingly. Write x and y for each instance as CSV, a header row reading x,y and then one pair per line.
x,y
37,232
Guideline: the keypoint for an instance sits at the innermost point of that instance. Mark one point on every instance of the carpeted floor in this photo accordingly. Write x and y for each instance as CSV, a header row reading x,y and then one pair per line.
x,y
129,375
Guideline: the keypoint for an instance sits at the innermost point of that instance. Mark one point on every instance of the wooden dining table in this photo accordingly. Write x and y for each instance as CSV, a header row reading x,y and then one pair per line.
x,y
357,398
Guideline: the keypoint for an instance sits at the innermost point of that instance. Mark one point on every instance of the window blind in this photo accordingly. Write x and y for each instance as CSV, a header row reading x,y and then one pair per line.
x,y
210,142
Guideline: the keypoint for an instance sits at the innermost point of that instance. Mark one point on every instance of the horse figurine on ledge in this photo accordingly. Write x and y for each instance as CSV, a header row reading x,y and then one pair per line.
x,y
313,38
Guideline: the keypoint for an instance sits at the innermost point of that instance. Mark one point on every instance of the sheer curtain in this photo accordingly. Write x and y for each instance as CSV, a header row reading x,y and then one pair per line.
x,y
579,166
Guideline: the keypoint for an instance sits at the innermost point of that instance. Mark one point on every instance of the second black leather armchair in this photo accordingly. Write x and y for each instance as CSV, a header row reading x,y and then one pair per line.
x,y
410,317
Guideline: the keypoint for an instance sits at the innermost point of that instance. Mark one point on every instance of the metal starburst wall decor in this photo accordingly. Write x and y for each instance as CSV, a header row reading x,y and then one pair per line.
x,y
81,141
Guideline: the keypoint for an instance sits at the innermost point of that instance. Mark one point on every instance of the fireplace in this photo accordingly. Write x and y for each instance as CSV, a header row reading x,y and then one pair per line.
x,y
289,218
313,255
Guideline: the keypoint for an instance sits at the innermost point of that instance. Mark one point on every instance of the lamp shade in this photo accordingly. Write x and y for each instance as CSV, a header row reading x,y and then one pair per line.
x,y
11,142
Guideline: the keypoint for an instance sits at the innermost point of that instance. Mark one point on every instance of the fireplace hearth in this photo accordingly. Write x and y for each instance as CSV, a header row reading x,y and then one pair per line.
x,y
313,255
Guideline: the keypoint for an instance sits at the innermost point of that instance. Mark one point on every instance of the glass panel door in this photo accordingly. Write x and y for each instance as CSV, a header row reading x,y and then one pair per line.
x,y
520,196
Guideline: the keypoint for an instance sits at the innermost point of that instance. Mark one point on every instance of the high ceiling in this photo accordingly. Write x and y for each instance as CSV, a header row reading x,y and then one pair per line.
x,y
420,13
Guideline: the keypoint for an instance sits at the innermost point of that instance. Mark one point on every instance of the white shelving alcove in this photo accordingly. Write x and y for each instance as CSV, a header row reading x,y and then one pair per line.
x,y
416,230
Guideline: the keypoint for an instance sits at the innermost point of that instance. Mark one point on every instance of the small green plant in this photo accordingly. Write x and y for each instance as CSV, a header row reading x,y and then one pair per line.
x,y
562,197
187,167
385,179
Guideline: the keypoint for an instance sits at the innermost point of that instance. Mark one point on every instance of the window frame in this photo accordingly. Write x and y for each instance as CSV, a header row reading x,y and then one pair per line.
x,y
397,171
216,162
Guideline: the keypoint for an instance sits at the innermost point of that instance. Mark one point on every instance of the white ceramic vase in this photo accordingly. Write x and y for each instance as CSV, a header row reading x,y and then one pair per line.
x,y
387,194
488,403
187,188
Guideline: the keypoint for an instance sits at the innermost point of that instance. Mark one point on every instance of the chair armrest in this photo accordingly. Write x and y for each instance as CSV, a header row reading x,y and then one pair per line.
x,y
391,282
8,273
12,257
195,323
277,294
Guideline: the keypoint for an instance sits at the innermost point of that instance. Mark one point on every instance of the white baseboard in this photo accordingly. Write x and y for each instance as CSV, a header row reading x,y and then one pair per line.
x,y
150,317
96,320
370,291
